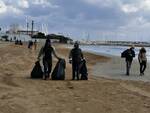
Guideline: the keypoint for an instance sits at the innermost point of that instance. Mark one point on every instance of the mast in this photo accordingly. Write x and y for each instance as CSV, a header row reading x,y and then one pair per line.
x,y
32,28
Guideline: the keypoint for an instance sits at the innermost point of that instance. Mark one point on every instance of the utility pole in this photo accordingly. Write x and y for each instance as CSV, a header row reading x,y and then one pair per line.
x,y
27,27
32,28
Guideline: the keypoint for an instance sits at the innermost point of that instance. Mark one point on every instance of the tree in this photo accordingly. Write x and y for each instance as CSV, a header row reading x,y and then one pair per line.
x,y
60,38
40,35
5,37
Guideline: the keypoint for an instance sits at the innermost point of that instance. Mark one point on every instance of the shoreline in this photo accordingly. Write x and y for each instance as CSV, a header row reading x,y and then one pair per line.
x,y
116,69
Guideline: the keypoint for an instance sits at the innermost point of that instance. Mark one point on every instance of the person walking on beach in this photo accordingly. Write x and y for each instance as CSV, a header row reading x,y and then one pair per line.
x,y
30,44
142,60
35,44
75,58
128,54
47,50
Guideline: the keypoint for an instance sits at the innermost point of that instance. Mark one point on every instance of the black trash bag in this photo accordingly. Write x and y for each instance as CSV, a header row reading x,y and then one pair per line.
x,y
83,70
59,70
124,54
37,71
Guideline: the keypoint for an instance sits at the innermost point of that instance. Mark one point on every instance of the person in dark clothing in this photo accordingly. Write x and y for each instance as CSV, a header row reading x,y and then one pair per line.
x,y
47,50
20,42
35,44
75,58
17,42
130,54
30,44
142,60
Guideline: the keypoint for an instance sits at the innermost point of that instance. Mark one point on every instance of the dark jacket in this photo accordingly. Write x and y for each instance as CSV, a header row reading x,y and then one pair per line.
x,y
129,54
76,55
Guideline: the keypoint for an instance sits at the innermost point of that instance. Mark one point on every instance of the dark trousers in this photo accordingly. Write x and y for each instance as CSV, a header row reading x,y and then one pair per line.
x,y
128,66
142,66
75,71
47,67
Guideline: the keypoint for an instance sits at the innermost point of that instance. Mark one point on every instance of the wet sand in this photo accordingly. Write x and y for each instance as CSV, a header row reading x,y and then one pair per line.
x,y
20,94
116,69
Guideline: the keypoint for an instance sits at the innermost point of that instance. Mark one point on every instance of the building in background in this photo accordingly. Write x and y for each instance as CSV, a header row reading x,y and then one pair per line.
x,y
16,33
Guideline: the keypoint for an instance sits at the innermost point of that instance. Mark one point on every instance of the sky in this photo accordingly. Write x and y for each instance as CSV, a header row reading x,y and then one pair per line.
x,y
81,19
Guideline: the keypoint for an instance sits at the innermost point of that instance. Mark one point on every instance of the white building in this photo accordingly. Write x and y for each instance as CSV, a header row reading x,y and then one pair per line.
x,y
14,37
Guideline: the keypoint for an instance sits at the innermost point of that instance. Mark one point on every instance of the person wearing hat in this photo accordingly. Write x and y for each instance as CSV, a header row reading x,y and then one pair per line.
x,y
46,51
142,60
75,58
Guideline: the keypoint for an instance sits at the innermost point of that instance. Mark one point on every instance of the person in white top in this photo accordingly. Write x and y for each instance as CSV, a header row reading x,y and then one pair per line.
x,y
142,60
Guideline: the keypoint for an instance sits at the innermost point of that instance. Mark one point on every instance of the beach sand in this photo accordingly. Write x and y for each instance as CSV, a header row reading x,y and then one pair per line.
x,y
20,94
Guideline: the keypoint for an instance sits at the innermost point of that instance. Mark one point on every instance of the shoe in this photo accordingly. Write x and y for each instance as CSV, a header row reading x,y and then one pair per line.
x,y
45,77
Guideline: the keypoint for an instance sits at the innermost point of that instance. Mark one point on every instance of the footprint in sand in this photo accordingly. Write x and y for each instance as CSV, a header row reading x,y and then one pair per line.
x,y
69,85
7,79
135,89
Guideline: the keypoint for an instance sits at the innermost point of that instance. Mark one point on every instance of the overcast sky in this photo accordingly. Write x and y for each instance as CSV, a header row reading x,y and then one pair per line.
x,y
80,19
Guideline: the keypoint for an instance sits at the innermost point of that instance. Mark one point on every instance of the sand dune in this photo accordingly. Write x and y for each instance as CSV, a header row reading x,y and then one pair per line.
x,y
20,94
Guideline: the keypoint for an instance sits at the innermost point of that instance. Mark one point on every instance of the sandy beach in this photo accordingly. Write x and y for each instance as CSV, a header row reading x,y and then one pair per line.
x,y
100,94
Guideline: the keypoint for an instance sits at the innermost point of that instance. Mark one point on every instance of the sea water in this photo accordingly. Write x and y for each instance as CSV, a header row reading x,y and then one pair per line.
x,y
111,50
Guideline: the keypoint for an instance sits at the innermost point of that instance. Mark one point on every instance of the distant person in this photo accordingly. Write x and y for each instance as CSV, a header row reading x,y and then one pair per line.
x,y
35,44
20,42
14,38
46,51
17,42
30,44
10,39
128,54
142,60
75,57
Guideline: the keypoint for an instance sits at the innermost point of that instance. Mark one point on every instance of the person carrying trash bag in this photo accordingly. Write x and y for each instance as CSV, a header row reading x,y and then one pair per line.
x,y
128,54
75,58
46,51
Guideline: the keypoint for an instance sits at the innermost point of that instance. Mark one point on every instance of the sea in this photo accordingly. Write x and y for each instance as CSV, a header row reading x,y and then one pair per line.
x,y
111,50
